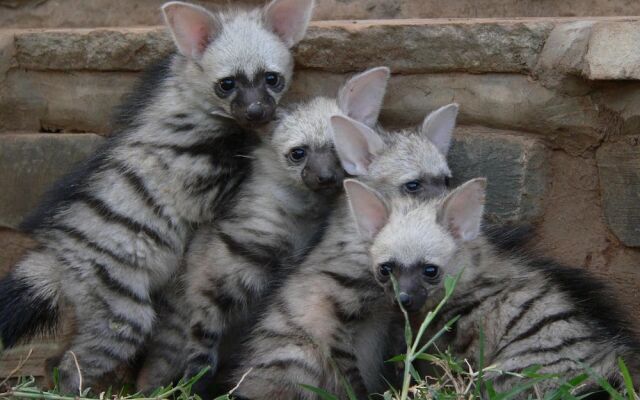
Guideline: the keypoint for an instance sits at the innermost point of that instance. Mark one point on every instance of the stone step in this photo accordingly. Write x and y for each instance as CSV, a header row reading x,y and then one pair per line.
x,y
569,79
29,360
514,163
30,163
407,46
81,13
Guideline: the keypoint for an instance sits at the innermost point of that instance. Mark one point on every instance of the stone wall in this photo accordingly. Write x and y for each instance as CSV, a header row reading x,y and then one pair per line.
x,y
94,13
550,112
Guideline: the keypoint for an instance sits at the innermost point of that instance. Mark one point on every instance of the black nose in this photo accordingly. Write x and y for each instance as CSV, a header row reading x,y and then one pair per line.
x,y
255,111
326,179
405,299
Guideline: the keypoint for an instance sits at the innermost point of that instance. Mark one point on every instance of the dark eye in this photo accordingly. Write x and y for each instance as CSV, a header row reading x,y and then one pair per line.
x,y
447,181
297,154
412,186
430,271
386,269
227,84
271,78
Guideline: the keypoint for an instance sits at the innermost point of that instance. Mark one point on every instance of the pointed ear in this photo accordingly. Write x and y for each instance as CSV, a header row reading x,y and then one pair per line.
x,y
193,28
438,127
289,19
361,96
367,208
356,144
461,211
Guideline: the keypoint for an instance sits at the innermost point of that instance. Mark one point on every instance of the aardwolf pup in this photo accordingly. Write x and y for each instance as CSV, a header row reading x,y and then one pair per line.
x,y
531,312
114,232
277,216
330,307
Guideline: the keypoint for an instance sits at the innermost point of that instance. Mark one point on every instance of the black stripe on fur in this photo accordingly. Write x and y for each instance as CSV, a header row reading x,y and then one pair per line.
x,y
593,299
512,237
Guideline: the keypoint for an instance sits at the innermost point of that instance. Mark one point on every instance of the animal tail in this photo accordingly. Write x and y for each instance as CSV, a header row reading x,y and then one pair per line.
x,y
25,310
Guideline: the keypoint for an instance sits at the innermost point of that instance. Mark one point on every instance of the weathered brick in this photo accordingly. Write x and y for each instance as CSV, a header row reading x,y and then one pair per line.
x,y
130,49
29,164
407,46
516,167
427,45
54,101
614,51
619,171
412,46
565,48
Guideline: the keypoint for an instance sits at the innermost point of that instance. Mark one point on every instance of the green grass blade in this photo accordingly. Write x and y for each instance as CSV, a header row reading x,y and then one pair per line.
x,y
391,392
414,374
408,338
323,394
564,391
408,334
628,382
449,285
194,378
427,357
515,391
603,383
56,379
435,337
343,381
480,380
399,357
